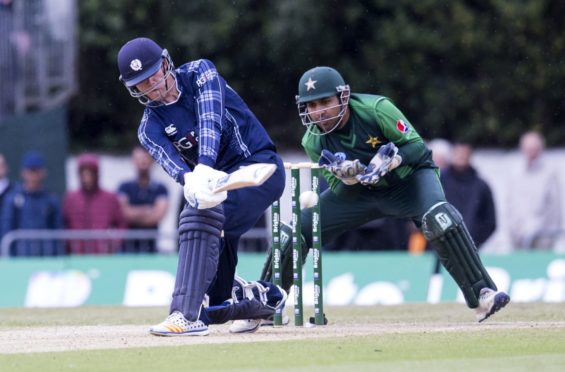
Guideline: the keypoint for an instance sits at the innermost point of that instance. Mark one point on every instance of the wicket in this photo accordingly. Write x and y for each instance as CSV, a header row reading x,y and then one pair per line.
x,y
296,245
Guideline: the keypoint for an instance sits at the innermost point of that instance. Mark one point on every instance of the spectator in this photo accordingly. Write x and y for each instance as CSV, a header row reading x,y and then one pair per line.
x,y
5,184
533,197
30,206
441,152
144,201
469,193
5,187
91,207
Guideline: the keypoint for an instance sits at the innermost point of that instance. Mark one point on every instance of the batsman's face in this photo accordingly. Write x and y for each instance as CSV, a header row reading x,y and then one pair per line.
x,y
159,87
325,112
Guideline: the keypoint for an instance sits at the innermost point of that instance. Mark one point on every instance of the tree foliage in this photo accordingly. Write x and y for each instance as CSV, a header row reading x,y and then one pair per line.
x,y
479,71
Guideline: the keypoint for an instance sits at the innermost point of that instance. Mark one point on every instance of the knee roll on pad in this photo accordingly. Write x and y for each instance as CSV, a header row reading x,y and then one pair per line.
x,y
286,258
206,220
445,229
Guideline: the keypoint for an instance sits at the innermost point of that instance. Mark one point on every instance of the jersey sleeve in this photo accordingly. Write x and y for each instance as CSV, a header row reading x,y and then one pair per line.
x,y
210,103
153,138
400,131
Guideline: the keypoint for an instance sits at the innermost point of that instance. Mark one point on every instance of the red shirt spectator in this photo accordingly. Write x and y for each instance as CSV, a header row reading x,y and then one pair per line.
x,y
91,207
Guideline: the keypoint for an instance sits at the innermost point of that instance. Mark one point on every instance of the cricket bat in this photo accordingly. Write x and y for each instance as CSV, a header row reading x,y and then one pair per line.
x,y
250,175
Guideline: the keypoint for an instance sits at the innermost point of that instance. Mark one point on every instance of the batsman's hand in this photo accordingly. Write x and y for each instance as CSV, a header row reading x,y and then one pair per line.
x,y
198,186
345,170
384,161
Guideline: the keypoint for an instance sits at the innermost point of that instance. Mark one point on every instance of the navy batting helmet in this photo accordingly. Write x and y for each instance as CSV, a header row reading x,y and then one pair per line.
x,y
138,60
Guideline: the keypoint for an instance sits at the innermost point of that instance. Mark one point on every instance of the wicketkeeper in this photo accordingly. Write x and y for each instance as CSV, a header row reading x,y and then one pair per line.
x,y
199,129
377,165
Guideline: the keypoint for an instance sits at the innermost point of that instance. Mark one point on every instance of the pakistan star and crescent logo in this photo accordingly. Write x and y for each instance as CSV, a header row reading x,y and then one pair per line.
x,y
373,141
310,84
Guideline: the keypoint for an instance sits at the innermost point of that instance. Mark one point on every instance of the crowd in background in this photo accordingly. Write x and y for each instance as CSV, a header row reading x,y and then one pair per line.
x,y
534,215
137,204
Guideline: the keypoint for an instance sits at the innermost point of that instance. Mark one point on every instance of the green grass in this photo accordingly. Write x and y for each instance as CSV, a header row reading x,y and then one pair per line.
x,y
430,345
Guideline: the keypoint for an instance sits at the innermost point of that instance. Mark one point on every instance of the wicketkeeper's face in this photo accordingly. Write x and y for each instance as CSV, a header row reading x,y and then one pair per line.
x,y
325,112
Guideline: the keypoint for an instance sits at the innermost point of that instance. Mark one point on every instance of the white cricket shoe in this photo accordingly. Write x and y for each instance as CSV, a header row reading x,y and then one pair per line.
x,y
245,325
490,301
252,325
177,325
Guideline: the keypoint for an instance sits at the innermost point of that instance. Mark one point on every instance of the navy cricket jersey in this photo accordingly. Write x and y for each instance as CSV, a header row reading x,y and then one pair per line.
x,y
209,124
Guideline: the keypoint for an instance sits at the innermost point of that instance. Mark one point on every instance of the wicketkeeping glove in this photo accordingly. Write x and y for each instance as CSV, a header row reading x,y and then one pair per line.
x,y
384,161
345,170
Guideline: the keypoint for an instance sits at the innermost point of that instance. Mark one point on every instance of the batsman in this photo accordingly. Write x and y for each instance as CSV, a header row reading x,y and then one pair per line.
x,y
377,165
200,130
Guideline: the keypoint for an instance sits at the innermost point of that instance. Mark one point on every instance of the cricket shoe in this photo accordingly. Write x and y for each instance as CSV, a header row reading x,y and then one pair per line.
x,y
177,325
252,325
245,325
490,301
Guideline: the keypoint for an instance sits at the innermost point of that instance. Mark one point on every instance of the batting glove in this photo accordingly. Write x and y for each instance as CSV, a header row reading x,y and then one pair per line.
x,y
198,186
384,161
345,170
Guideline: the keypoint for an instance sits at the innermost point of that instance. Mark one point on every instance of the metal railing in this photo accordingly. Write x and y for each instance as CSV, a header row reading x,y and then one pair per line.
x,y
41,242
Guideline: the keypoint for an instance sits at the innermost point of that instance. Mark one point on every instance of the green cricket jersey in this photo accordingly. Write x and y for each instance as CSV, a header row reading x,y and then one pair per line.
x,y
373,122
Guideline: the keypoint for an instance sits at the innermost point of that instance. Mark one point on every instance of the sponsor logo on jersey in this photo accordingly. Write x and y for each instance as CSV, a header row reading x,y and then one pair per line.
x,y
135,65
205,77
170,130
187,142
402,126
